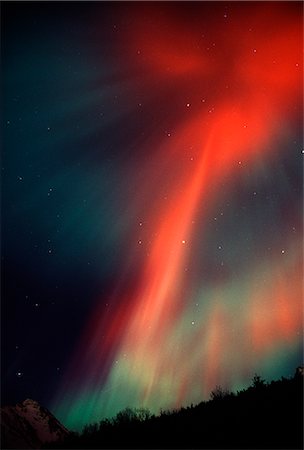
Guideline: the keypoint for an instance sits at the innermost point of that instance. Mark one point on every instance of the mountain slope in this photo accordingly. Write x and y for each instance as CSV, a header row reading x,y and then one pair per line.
x,y
29,425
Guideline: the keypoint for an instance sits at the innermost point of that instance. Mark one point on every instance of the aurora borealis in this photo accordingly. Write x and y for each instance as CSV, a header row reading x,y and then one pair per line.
x,y
152,190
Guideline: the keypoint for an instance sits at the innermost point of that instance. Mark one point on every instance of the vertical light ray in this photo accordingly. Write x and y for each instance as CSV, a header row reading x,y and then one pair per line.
x,y
154,350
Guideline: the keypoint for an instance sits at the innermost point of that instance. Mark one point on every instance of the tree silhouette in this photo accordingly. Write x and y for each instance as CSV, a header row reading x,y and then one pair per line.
x,y
263,416
258,382
128,415
219,393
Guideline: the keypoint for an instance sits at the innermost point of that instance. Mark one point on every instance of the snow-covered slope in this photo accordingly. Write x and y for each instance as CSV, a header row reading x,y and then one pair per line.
x,y
29,425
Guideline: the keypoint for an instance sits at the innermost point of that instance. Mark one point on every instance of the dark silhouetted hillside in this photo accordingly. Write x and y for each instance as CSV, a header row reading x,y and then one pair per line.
x,y
265,415
28,426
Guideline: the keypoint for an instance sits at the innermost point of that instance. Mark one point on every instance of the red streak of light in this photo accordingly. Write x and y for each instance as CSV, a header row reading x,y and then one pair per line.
x,y
238,131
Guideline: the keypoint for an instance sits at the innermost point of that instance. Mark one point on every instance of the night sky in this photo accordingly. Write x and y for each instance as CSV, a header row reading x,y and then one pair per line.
x,y
151,201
